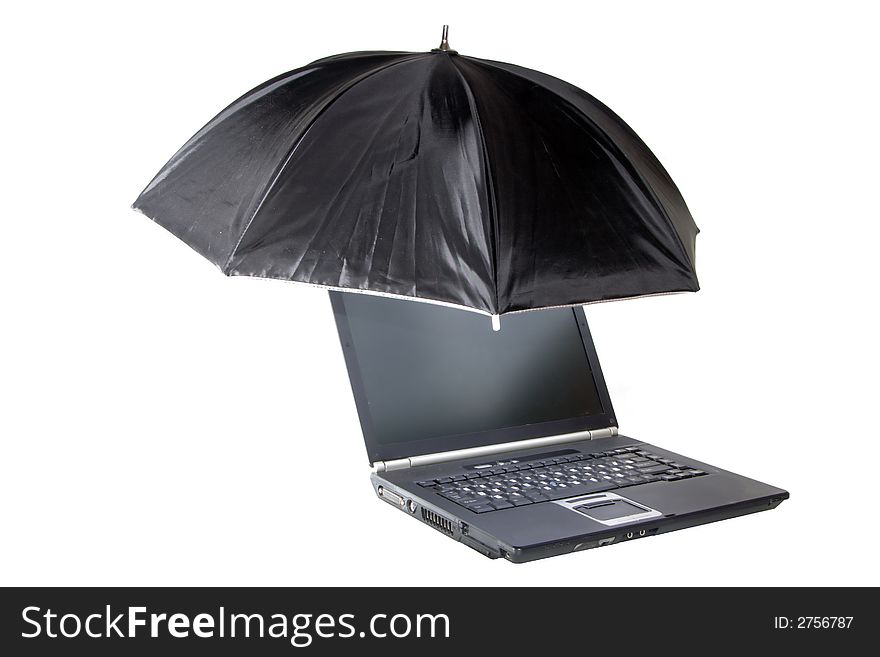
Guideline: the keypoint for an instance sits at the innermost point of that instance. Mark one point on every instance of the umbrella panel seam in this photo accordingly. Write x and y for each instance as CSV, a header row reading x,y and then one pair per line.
x,y
490,184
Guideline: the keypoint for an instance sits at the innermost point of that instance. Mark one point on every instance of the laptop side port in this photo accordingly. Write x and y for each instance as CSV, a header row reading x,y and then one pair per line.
x,y
640,533
390,496
482,548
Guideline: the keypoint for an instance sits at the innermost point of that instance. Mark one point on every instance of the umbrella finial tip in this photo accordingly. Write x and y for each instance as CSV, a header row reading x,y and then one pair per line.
x,y
444,40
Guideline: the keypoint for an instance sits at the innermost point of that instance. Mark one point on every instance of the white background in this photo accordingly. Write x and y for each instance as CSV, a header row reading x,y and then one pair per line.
x,y
162,424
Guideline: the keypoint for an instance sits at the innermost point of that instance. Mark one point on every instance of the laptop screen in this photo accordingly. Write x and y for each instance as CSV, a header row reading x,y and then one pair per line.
x,y
432,372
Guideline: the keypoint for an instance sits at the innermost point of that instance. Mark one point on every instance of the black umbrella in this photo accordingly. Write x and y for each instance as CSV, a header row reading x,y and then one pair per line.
x,y
434,176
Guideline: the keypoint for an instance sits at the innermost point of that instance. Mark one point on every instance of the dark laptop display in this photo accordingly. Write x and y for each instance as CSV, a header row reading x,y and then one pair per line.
x,y
427,374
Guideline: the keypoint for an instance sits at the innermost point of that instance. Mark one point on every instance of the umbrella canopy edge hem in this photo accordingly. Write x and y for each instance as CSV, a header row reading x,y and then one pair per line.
x,y
405,297
457,306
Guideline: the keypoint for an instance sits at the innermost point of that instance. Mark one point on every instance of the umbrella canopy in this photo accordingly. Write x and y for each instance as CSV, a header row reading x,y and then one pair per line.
x,y
433,176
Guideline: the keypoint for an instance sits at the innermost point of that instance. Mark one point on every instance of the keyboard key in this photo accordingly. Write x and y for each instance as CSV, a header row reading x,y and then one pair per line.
x,y
427,484
502,504
481,508
654,469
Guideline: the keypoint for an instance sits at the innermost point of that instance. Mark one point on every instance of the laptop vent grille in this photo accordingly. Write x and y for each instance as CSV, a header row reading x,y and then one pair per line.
x,y
437,521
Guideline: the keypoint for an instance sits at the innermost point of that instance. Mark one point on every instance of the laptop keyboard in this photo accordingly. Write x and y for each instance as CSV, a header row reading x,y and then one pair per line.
x,y
534,481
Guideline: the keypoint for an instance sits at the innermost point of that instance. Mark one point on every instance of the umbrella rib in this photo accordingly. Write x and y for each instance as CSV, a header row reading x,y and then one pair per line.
x,y
335,97
490,185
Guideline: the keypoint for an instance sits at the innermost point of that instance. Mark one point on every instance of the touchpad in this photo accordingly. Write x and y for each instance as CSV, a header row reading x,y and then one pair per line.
x,y
609,509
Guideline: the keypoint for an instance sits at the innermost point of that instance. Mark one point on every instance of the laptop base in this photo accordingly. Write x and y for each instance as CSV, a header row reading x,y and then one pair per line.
x,y
581,522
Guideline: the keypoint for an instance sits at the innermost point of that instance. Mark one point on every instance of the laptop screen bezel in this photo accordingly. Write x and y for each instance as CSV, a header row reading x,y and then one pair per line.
x,y
377,451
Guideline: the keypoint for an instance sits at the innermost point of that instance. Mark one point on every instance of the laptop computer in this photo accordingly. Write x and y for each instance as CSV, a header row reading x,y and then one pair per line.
x,y
507,440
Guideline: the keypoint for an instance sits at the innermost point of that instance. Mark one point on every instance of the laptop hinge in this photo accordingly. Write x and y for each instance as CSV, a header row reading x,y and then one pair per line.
x,y
489,450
